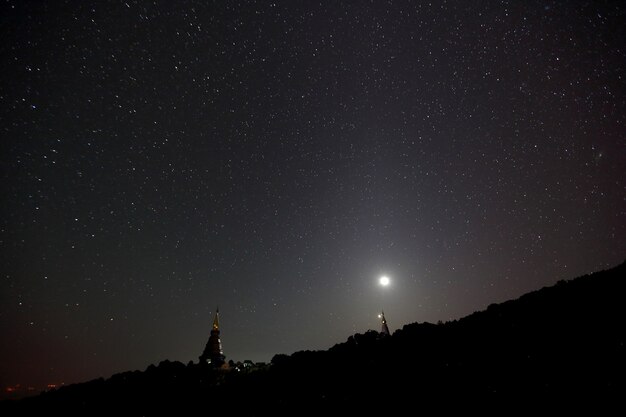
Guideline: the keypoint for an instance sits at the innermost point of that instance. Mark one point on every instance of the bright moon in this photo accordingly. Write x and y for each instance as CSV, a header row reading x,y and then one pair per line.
x,y
384,281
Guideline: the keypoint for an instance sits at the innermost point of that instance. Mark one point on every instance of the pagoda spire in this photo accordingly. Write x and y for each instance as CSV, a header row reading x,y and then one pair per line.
x,y
384,329
213,353
216,320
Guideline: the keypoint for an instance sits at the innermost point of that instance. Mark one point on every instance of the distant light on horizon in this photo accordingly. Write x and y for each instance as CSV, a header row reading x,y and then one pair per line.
x,y
384,281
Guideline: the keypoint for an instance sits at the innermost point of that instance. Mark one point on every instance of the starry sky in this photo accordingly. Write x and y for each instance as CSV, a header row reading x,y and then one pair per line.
x,y
159,159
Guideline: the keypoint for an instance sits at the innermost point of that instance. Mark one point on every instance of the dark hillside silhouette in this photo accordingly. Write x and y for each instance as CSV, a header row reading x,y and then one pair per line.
x,y
564,345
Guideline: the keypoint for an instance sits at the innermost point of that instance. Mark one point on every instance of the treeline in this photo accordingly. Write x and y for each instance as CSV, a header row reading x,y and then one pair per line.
x,y
562,345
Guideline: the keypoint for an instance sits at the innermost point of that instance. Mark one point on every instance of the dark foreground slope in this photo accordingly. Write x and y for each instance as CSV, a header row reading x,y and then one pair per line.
x,y
564,345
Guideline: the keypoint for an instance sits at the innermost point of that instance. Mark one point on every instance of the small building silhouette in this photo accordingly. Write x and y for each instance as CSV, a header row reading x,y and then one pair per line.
x,y
384,329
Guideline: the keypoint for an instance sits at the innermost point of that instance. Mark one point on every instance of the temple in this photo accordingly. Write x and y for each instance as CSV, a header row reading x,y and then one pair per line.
x,y
213,353
384,330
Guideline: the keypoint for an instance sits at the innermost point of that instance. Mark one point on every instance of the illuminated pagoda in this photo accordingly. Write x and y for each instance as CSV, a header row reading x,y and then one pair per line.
x,y
384,331
213,353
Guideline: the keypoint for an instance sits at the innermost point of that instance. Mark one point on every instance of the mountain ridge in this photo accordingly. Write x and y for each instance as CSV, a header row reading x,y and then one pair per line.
x,y
565,341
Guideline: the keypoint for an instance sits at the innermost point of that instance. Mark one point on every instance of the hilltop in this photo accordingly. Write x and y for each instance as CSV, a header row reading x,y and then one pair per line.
x,y
564,343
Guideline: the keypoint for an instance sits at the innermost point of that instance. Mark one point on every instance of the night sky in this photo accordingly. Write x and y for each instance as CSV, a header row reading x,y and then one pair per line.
x,y
159,158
